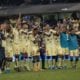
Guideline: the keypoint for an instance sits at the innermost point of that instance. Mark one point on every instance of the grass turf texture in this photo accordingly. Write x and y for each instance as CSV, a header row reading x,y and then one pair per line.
x,y
65,74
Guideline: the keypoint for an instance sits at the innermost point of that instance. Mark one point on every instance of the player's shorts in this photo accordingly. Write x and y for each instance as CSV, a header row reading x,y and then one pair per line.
x,y
66,57
36,59
25,56
74,52
55,57
21,56
9,59
17,56
49,57
63,51
42,57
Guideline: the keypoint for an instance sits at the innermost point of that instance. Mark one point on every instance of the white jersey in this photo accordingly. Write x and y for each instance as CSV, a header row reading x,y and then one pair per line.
x,y
16,35
16,41
49,43
9,44
24,35
24,39
29,43
34,44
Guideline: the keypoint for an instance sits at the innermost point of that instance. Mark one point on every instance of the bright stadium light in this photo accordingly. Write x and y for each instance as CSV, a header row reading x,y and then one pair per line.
x,y
64,9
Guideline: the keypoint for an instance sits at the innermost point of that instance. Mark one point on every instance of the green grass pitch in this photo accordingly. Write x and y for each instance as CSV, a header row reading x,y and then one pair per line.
x,y
65,74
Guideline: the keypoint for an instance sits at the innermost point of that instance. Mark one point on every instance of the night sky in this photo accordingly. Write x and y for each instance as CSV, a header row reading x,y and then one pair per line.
x,y
19,2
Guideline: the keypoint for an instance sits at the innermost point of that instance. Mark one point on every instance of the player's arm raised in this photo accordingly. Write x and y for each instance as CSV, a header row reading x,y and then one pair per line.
x,y
53,31
78,32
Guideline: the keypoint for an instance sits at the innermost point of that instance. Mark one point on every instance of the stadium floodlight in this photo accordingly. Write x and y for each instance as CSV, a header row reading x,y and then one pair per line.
x,y
64,9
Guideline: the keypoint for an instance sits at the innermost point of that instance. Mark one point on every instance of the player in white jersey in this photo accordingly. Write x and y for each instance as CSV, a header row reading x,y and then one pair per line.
x,y
16,46
25,45
9,48
35,49
16,41
9,42
50,44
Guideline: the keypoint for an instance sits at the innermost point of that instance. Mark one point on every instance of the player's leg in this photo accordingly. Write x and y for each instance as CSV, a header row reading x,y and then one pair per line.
x,y
26,62
72,58
60,61
54,61
42,56
0,66
60,57
43,61
35,68
66,57
48,62
38,63
7,64
17,62
25,59
76,54
8,60
54,58
49,58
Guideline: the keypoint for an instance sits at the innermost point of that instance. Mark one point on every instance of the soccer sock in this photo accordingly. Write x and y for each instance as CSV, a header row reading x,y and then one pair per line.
x,y
66,57
49,63
76,59
60,61
16,63
56,60
53,62
71,59
34,66
27,64
65,61
38,65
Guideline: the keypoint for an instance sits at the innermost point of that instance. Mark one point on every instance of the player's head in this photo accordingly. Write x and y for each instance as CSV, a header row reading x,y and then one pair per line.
x,y
63,28
46,27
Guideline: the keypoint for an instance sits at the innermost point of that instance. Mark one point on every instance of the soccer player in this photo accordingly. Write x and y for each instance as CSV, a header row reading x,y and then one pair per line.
x,y
25,45
63,45
9,42
9,48
50,45
55,48
73,47
35,50
16,46
2,51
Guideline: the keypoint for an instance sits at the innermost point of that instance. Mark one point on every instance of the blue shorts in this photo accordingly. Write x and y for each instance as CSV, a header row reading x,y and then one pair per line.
x,y
55,57
49,57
